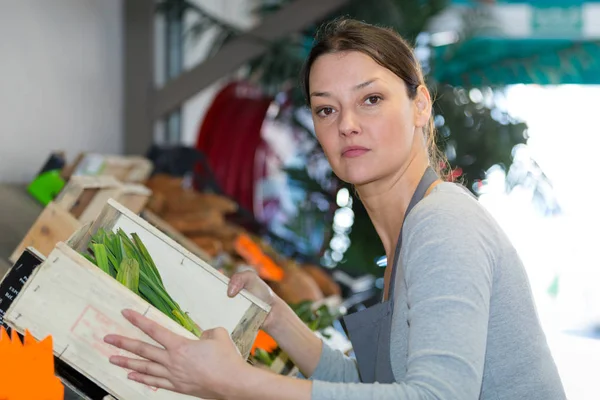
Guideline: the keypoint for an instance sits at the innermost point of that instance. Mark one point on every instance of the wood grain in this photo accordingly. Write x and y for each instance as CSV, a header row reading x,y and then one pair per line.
x,y
85,196
53,225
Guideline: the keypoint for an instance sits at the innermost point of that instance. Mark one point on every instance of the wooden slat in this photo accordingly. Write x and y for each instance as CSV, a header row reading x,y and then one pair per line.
x,y
106,220
79,200
247,329
134,196
85,196
53,225
80,191
133,201
174,234
127,169
94,207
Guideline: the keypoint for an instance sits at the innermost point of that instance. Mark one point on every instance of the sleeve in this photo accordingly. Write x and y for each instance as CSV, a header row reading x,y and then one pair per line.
x,y
334,366
448,273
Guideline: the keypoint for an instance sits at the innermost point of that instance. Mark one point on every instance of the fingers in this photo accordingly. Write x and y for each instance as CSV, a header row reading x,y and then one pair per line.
x,y
139,348
142,366
221,335
215,333
154,381
159,333
240,281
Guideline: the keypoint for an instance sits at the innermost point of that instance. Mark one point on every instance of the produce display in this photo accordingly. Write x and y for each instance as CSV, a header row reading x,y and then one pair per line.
x,y
128,261
205,225
205,219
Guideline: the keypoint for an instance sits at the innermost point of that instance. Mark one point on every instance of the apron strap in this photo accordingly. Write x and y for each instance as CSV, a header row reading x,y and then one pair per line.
x,y
429,177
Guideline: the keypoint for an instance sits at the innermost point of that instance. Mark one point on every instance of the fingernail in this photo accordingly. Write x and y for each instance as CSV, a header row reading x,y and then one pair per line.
x,y
108,339
231,290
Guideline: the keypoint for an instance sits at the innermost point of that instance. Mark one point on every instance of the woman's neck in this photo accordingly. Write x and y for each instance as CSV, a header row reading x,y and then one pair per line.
x,y
387,200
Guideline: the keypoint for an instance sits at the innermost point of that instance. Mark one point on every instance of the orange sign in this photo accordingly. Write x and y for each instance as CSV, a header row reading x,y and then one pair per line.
x,y
27,369
252,253
265,342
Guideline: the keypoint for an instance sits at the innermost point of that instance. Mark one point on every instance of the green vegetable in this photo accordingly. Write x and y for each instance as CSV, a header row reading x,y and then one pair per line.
x,y
130,263
316,320
129,275
263,357
145,255
101,257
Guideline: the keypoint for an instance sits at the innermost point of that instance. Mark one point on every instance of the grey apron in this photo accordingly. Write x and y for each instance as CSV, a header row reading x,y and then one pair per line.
x,y
370,329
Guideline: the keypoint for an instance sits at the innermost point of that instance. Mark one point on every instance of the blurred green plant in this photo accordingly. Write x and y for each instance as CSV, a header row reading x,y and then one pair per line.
x,y
316,319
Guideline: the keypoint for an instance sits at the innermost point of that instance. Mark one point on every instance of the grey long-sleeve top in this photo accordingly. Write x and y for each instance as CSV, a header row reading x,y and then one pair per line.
x,y
464,324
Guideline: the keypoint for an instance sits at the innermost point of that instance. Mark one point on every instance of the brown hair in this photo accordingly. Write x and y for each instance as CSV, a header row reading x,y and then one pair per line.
x,y
388,49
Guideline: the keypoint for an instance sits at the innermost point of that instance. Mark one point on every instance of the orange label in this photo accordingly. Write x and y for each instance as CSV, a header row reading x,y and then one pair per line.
x,y
253,255
27,369
265,342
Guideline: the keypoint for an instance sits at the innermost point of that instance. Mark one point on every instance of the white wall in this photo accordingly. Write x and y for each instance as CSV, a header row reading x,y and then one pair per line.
x,y
60,81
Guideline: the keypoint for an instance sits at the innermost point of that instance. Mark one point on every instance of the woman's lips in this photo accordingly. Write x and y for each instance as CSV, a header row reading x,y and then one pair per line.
x,y
354,151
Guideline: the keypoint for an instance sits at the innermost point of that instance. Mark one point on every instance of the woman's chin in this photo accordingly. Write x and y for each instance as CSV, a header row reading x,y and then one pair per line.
x,y
358,179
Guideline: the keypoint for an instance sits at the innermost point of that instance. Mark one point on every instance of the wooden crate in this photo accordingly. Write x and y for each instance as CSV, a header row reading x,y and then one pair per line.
x,y
174,234
81,201
135,169
53,225
84,196
77,386
74,301
198,288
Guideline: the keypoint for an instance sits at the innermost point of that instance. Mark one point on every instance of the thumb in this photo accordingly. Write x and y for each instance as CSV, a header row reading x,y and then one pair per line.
x,y
240,281
215,333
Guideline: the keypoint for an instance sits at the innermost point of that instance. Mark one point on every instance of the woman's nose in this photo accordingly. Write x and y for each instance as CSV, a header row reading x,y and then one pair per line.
x,y
348,124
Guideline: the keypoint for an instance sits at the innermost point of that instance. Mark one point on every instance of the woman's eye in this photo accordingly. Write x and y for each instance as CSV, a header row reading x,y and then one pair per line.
x,y
371,100
325,111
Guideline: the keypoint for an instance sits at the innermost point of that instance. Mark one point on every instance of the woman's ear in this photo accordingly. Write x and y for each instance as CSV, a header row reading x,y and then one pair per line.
x,y
423,107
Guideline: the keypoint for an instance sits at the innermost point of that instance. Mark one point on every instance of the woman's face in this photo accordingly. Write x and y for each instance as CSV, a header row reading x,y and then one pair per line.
x,y
367,125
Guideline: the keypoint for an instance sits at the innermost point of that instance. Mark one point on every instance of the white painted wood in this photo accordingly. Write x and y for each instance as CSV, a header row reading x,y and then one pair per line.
x,y
196,286
53,225
171,232
78,304
199,289
179,249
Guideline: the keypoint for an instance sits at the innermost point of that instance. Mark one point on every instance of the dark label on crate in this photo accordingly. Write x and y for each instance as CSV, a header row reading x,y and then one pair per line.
x,y
14,281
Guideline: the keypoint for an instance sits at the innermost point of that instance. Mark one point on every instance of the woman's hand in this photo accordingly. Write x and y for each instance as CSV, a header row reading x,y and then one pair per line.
x,y
290,333
250,281
201,368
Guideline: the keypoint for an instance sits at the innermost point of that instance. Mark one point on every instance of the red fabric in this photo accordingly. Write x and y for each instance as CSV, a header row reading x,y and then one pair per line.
x,y
229,137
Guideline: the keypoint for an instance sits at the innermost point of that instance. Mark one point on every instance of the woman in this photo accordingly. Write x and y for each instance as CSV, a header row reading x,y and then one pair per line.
x,y
457,320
